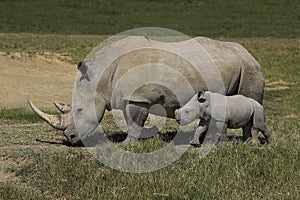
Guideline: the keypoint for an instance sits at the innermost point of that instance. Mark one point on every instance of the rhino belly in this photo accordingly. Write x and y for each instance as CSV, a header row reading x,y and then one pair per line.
x,y
237,123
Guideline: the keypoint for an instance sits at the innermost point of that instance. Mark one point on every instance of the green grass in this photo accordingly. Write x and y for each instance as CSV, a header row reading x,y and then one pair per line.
x,y
47,169
43,167
214,18
230,171
19,116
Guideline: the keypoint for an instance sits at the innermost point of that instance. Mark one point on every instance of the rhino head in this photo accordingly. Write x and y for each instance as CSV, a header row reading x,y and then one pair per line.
x,y
63,122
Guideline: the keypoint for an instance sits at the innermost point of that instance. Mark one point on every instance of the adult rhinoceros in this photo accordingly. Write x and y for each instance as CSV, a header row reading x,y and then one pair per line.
x,y
137,73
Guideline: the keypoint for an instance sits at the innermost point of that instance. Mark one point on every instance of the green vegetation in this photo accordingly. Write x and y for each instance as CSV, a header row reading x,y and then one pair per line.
x,y
47,169
17,115
213,18
230,171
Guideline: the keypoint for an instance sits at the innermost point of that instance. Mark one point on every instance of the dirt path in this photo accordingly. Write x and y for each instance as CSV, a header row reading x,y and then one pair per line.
x,y
42,76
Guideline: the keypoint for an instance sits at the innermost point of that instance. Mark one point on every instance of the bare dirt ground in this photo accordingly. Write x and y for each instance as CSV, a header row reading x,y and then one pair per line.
x,y
42,76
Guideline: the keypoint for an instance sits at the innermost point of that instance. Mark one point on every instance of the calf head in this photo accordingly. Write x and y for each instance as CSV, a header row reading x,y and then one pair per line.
x,y
195,108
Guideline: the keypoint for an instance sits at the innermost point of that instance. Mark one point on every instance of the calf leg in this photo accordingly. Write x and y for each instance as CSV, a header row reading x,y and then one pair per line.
x,y
214,132
247,131
267,134
253,140
199,131
249,134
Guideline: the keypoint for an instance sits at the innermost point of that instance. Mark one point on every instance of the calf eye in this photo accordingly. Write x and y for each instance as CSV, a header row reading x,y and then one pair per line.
x,y
201,100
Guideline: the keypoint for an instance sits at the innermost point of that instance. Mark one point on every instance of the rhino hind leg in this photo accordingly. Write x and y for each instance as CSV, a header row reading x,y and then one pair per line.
x,y
136,115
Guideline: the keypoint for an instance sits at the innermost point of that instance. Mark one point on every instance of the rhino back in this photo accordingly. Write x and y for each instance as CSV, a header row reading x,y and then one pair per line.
x,y
169,73
169,69
251,81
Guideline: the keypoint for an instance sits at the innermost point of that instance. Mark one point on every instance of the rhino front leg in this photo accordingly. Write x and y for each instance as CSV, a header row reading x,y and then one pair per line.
x,y
136,115
223,137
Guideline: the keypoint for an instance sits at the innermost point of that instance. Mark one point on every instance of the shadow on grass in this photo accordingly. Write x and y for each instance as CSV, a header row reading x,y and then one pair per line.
x,y
118,137
63,143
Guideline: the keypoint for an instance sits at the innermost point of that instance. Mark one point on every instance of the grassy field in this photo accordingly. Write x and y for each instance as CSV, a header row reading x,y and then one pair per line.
x,y
213,18
43,170
36,163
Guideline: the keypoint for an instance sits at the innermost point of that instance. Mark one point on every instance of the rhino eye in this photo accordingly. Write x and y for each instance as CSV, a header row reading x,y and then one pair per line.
x,y
72,136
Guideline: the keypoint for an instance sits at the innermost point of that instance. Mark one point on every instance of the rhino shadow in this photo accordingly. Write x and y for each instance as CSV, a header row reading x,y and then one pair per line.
x,y
183,138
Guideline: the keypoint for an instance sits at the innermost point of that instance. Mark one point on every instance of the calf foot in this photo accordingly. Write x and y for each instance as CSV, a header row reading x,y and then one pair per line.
x,y
195,143
271,142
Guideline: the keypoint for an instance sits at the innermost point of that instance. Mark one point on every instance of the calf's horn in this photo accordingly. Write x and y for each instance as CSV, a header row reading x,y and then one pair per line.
x,y
56,121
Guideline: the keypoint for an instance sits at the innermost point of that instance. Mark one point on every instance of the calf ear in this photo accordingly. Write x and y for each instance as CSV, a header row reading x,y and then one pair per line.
x,y
201,97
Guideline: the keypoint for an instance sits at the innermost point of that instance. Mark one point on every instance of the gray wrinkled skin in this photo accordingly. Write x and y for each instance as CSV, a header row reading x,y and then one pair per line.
x,y
239,111
239,71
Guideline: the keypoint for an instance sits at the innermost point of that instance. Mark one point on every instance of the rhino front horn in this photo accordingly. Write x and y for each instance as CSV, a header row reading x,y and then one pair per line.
x,y
56,121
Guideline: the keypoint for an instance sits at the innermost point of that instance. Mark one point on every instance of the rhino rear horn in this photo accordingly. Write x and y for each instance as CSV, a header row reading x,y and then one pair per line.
x,y
64,108
56,121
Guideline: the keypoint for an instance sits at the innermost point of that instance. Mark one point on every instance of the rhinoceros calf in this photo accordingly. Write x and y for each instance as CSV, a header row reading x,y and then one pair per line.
x,y
227,111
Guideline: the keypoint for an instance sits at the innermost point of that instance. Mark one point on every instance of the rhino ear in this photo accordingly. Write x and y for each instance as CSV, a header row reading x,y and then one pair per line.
x,y
79,65
201,98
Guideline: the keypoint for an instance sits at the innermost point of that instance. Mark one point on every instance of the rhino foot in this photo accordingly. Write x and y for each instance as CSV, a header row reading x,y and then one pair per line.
x,y
223,138
252,141
130,140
